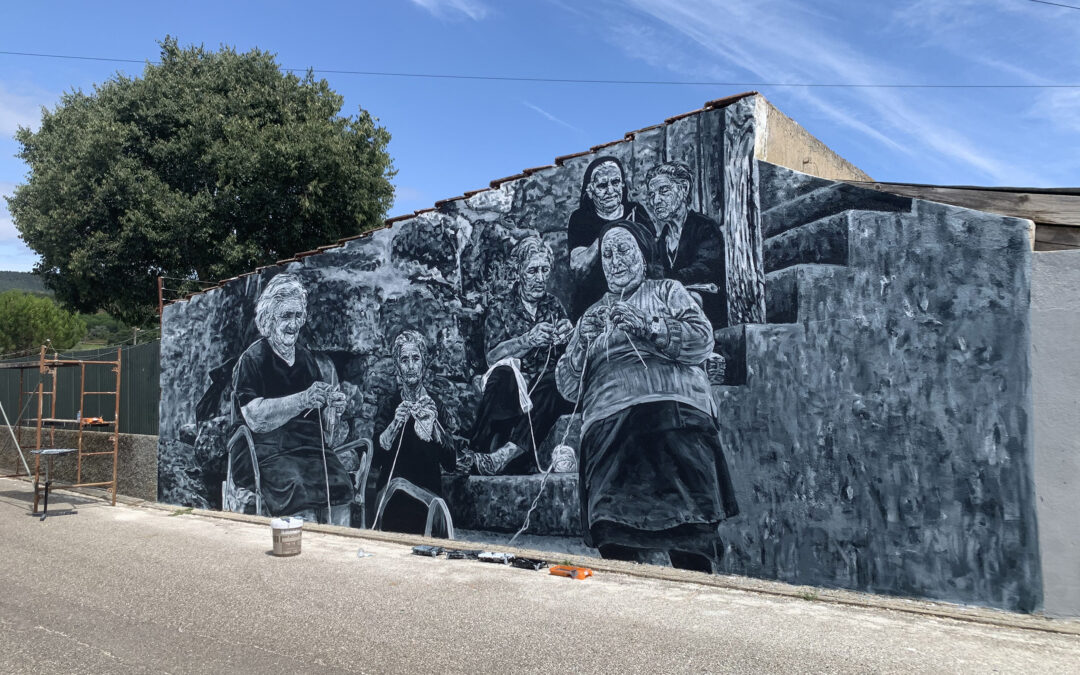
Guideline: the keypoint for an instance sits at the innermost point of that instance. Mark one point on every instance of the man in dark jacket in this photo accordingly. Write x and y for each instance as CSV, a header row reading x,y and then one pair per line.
x,y
689,244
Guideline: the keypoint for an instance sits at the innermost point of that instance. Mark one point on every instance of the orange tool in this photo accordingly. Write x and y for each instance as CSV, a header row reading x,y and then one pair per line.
x,y
571,571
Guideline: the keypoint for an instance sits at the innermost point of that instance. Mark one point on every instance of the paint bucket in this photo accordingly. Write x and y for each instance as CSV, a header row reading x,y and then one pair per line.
x,y
287,533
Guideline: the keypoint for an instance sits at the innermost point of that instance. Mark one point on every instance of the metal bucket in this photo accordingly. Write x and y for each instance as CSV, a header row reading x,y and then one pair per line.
x,y
287,532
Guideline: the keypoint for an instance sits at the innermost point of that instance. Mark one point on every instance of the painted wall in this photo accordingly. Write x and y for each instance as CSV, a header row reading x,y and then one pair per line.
x,y
826,385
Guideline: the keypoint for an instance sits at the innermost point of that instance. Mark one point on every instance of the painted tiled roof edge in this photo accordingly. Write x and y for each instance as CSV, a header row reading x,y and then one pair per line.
x,y
493,185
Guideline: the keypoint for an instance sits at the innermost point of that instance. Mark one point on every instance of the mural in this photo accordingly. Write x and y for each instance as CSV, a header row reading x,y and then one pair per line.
x,y
661,351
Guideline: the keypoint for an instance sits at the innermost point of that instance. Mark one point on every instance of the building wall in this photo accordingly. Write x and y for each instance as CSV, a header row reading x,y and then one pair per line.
x,y
1055,360
874,420
883,433
784,142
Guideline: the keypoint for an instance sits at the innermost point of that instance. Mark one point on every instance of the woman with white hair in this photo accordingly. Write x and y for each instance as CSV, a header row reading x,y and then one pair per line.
x,y
290,400
525,333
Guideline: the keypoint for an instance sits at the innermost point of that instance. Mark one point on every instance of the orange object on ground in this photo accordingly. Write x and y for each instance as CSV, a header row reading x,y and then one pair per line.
x,y
571,571
94,420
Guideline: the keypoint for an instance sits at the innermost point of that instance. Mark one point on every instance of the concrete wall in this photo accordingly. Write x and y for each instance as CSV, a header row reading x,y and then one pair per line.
x,y
1055,361
137,465
784,142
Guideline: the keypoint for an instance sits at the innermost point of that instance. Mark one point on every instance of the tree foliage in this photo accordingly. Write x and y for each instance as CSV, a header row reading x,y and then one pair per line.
x,y
104,329
208,165
28,321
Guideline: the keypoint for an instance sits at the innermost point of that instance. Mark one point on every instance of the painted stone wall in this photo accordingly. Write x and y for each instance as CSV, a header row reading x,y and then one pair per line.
x,y
883,433
868,429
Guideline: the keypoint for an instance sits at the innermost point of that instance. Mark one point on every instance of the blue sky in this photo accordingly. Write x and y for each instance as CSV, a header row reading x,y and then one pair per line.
x,y
450,136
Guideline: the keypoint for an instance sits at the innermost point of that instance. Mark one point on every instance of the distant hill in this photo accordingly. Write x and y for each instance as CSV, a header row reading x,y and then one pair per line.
x,y
22,281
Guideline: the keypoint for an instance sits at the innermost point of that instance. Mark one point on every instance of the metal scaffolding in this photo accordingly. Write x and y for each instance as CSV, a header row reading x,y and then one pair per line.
x,y
46,423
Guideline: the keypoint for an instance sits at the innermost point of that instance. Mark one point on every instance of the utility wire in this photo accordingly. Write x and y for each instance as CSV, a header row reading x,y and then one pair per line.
x,y
569,80
1055,4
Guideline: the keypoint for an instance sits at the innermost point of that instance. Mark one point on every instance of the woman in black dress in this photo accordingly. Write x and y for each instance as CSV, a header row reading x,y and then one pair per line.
x,y
604,199
414,445
289,397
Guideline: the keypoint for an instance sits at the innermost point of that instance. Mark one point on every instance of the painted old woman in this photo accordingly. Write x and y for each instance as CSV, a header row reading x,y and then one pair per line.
x,y
605,198
415,447
290,399
653,478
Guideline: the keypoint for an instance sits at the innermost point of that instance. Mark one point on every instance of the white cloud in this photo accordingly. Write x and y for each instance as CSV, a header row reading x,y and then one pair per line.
x,y
551,117
16,257
7,225
20,108
781,41
410,194
454,8
1061,107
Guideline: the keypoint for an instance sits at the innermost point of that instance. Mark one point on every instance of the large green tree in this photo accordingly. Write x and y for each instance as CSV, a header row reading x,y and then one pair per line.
x,y
208,165
28,321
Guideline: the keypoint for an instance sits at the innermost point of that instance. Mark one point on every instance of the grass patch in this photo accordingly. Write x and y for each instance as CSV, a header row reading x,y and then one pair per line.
x,y
809,595
181,512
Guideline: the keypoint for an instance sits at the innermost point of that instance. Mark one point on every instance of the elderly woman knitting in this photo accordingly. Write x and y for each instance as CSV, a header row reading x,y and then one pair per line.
x,y
653,479
525,333
415,447
291,402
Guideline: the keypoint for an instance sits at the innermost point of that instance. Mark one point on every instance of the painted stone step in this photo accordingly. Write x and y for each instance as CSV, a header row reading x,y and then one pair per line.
x,y
740,344
788,291
823,241
778,184
825,201
500,503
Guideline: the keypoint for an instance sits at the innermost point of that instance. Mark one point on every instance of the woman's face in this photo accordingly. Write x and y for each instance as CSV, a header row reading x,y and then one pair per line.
x,y
289,318
534,276
605,187
410,364
624,266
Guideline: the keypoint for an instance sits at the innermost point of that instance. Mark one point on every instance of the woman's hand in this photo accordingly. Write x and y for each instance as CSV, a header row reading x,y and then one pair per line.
x,y
540,335
338,401
401,415
425,410
315,396
563,330
593,323
629,318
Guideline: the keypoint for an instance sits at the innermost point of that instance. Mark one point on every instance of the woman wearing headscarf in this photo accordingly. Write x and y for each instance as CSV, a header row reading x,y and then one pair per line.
x,y
652,472
414,444
604,199
291,401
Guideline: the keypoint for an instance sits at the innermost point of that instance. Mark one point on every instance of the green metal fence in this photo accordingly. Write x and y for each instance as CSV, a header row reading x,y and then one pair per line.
x,y
140,389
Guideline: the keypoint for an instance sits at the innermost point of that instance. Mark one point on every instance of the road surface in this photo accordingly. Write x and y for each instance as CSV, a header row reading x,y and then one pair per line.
x,y
135,589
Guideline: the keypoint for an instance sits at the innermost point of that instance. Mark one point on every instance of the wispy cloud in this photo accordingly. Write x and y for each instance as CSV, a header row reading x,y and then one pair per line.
x,y
551,117
20,108
14,254
785,41
471,9
16,257
7,225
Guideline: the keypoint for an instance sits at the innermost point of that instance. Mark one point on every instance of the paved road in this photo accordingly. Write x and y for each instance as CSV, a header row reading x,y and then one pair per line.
x,y
132,590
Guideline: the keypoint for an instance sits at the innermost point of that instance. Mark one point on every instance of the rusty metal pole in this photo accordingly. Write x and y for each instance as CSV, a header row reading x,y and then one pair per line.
x,y
116,425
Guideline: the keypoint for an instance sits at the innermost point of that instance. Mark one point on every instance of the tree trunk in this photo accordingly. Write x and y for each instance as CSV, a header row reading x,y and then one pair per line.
x,y
742,217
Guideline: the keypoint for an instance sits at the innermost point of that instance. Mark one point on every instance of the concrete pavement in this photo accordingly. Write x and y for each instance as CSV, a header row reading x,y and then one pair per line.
x,y
136,589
